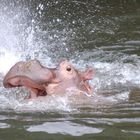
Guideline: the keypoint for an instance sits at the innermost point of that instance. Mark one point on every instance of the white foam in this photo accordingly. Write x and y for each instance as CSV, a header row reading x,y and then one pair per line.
x,y
109,74
41,104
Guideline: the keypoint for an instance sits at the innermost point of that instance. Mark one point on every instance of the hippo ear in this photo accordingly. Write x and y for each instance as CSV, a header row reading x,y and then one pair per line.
x,y
87,75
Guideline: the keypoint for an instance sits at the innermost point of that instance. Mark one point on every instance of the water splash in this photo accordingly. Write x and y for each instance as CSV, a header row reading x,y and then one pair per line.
x,y
25,36
9,52
7,60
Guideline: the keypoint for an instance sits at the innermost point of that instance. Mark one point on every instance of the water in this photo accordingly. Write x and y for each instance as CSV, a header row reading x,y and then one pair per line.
x,y
102,34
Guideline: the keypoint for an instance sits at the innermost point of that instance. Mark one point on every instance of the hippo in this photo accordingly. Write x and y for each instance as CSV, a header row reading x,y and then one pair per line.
x,y
30,74
41,80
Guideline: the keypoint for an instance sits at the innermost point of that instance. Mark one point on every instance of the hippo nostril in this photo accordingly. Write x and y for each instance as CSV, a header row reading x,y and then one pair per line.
x,y
68,69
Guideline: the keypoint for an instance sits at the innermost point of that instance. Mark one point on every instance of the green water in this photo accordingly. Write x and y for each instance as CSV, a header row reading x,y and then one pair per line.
x,y
102,34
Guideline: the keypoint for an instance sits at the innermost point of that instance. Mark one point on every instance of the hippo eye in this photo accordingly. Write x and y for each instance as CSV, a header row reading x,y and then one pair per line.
x,y
68,68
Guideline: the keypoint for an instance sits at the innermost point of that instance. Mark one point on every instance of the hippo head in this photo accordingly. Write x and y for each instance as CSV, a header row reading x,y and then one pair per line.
x,y
69,77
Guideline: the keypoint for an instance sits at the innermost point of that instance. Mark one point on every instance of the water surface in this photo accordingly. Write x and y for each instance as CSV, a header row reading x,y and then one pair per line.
x,y
102,34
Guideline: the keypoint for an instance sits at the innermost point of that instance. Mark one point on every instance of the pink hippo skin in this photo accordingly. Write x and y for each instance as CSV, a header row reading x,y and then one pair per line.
x,y
40,80
30,74
70,78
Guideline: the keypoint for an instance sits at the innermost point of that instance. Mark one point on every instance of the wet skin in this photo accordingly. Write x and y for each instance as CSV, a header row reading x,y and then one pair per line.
x,y
70,77
40,80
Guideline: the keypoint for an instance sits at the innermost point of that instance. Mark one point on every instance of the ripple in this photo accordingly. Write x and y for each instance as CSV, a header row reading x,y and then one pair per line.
x,y
65,128
133,132
4,125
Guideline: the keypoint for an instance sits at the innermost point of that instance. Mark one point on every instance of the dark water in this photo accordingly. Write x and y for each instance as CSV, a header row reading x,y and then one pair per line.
x,y
103,34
